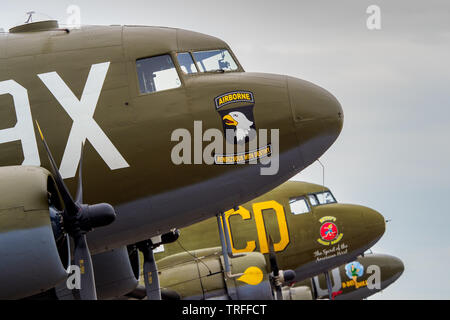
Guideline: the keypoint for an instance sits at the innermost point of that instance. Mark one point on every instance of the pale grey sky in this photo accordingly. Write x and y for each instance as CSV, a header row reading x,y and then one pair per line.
x,y
393,154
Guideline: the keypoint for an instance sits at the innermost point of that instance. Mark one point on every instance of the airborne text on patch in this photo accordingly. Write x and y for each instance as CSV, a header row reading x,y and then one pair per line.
x,y
232,97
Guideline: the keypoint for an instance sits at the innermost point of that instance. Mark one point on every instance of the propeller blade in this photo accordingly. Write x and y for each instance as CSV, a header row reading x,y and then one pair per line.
x,y
69,204
273,258
69,254
329,286
78,219
79,196
279,292
151,278
82,258
274,268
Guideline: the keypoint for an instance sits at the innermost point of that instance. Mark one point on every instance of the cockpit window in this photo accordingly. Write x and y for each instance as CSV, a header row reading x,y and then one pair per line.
x,y
187,65
321,198
313,200
156,74
298,205
214,60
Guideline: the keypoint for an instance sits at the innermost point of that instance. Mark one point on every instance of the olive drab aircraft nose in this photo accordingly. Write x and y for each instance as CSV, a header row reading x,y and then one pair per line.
x,y
378,272
359,225
362,223
375,223
358,279
391,268
396,268
371,222
342,231
317,115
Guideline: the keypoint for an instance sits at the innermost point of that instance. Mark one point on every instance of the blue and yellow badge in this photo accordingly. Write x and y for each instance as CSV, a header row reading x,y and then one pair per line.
x,y
353,270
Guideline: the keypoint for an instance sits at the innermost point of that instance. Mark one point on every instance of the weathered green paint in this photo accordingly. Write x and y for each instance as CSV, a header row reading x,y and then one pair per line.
x,y
28,208
358,224
391,268
153,194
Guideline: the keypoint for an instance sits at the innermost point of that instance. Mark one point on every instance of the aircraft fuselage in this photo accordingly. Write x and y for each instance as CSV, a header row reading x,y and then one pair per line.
x,y
82,86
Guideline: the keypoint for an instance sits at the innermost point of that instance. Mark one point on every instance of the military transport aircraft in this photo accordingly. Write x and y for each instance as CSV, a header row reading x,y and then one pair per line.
x,y
352,281
367,269
311,233
140,98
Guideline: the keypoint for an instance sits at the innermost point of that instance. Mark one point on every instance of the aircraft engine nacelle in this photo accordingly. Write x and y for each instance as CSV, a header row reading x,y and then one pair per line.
x,y
297,293
114,275
30,262
201,274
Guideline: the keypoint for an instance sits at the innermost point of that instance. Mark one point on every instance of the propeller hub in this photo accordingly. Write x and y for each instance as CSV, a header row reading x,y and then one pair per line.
x,y
288,275
96,215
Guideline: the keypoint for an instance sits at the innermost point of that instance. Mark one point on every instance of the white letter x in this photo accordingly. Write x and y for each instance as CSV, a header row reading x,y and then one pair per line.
x,y
84,126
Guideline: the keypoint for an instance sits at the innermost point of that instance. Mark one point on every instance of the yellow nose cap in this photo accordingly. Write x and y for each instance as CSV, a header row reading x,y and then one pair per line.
x,y
252,276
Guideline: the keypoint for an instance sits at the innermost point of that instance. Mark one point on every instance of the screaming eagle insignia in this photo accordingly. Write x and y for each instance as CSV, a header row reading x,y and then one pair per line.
x,y
238,122
239,127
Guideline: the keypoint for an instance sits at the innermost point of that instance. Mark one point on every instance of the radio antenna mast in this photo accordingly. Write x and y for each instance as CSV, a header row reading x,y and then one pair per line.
x,y
323,174
30,16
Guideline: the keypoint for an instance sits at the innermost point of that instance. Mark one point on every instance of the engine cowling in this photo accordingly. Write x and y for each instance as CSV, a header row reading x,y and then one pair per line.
x,y
297,293
30,262
114,276
201,274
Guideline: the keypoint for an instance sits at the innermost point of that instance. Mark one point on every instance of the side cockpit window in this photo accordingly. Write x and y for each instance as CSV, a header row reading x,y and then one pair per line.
x,y
157,74
214,60
313,200
298,205
320,198
187,65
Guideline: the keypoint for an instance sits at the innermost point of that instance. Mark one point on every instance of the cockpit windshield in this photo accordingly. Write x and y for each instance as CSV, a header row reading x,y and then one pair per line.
x,y
186,63
214,60
320,198
219,60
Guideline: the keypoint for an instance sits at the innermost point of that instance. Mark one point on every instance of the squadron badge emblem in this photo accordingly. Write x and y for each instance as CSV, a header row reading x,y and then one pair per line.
x,y
239,127
239,120
329,233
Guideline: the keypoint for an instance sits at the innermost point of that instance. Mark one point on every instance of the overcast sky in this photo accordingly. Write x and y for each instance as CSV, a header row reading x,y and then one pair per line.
x,y
393,154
